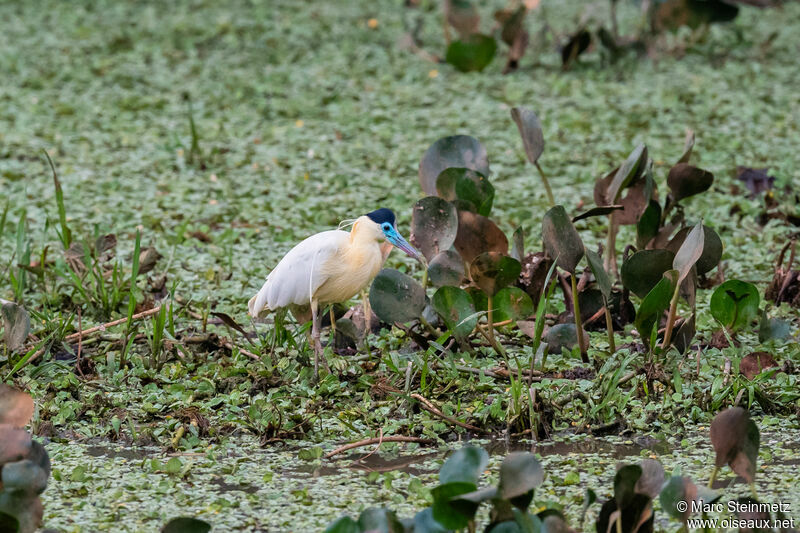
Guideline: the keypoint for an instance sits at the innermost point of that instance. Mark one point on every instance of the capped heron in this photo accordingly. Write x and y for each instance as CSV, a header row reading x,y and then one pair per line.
x,y
330,267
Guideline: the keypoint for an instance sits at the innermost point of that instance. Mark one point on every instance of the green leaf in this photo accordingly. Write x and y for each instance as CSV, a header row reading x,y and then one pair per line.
x,y
689,252
625,484
628,171
471,54
173,466
469,189
396,297
464,465
491,271
16,325
561,239
424,522
344,524
734,304
736,439
446,268
562,336
600,274
379,520
648,225
530,129
448,510
455,307
644,269
185,524
685,180
434,224
25,476
8,523
520,473
512,303
654,304
460,151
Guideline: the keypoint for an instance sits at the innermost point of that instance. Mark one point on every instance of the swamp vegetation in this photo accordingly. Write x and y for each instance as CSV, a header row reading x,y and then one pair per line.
x,y
606,325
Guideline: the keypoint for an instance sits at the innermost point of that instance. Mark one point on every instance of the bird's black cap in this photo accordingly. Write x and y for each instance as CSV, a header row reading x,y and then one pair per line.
x,y
379,216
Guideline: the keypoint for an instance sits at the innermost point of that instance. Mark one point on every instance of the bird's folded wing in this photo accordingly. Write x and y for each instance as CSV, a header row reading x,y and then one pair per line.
x,y
300,273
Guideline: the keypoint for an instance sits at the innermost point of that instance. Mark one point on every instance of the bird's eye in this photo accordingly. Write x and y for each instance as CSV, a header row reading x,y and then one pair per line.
x,y
386,226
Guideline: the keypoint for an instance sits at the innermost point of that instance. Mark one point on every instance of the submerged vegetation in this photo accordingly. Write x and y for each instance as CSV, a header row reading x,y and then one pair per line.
x,y
626,266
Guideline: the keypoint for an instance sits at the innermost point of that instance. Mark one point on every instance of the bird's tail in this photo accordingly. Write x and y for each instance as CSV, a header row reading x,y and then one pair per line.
x,y
258,302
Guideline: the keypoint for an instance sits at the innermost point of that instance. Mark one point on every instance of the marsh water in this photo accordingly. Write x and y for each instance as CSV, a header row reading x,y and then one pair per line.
x,y
241,486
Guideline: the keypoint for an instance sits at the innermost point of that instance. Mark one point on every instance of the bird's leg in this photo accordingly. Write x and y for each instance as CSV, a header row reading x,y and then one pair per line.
x,y
367,319
316,321
333,322
367,312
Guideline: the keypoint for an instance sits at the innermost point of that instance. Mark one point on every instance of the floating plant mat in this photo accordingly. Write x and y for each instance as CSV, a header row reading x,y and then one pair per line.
x,y
242,486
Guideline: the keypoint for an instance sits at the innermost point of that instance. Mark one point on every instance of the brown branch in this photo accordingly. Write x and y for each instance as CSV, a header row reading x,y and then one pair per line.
x,y
428,406
103,327
368,442
229,345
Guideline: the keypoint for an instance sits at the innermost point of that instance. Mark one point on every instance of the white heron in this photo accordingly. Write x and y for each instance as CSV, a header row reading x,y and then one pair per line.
x,y
330,267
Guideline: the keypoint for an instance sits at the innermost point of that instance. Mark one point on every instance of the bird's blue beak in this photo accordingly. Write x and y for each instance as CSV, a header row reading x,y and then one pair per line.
x,y
397,240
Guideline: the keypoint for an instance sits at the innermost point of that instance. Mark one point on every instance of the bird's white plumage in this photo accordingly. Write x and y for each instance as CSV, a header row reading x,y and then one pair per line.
x,y
299,274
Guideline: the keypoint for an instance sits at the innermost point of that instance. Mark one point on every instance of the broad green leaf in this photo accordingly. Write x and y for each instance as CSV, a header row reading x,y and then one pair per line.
x,y
186,524
464,465
449,511
520,473
446,268
379,520
434,224
344,524
644,269
628,171
471,54
562,336
469,189
625,484
600,274
649,224
461,151
492,271
734,304
561,239
456,309
530,129
25,476
512,303
654,304
396,297
424,522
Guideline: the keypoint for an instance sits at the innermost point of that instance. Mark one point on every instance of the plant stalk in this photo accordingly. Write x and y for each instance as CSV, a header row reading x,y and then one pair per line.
x,y
547,189
673,309
578,325
610,329
490,318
